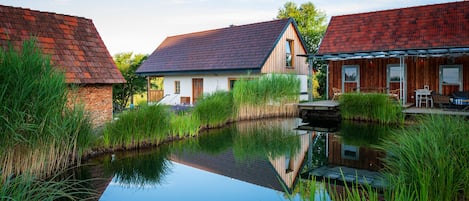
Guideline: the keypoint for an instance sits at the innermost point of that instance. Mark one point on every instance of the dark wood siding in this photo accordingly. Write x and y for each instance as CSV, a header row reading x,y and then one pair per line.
x,y
420,71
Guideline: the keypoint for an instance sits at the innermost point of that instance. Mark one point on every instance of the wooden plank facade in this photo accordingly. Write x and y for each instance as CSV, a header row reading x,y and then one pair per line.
x,y
277,60
419,71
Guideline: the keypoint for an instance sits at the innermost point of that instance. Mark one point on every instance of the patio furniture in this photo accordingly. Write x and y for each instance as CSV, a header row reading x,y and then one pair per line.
x,y
461,100
423,95
395,93
440,100
336,92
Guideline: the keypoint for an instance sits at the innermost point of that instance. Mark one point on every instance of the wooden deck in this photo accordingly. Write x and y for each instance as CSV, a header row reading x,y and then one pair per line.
x,y
319,110
416,110
319,105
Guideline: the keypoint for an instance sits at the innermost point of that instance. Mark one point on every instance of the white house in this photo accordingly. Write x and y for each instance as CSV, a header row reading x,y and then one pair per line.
x,y
204,62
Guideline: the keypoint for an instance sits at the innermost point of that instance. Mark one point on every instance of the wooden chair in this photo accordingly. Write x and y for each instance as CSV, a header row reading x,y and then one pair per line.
x,y
395,94
441,100
336,92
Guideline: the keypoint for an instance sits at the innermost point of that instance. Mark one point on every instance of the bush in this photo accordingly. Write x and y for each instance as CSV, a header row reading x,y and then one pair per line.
x,y
38,131
370,107
215,109
429,161
147,124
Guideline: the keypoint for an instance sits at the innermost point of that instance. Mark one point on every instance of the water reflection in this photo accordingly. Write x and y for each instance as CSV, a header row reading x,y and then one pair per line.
x,y
245,161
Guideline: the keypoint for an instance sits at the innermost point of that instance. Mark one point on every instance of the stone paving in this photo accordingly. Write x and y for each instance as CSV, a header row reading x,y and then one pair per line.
x,y
350,175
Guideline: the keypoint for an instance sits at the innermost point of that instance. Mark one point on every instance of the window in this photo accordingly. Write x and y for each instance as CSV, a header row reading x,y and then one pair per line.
x,y
231,83
450,75
450,79
350,78
289,53
177,87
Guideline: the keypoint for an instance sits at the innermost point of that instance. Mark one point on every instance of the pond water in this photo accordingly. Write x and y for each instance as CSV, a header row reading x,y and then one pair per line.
x,y
261,160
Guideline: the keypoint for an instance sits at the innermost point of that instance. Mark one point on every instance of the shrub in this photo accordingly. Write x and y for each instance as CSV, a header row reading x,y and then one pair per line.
x,y
371,107
39,131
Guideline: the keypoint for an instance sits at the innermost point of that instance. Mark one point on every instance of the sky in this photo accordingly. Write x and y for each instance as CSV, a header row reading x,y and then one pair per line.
x,y
140,26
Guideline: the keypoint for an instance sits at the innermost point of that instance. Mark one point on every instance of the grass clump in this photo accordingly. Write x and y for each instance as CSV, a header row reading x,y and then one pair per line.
x,y
183,124
38,130
429,161
266,96
26,187
370,107
214,109
134,128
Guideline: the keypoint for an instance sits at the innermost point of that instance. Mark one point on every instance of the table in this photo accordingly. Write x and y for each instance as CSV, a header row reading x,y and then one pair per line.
x,y
423,94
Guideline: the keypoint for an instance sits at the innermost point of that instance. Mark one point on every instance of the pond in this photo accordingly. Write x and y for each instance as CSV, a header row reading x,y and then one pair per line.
x,y
259,160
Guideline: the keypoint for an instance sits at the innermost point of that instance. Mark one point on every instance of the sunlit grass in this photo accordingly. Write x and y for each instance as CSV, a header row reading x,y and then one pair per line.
x,y
270,95
370,107
215,109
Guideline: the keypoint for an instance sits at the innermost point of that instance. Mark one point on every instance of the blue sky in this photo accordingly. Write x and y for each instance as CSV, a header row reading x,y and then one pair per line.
x,y
140,26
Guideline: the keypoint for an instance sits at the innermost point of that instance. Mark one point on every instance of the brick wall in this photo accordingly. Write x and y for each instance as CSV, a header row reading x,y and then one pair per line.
x,y
97,99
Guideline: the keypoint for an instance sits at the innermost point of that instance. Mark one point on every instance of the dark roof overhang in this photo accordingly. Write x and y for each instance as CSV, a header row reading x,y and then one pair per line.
x,y
432,52
202,72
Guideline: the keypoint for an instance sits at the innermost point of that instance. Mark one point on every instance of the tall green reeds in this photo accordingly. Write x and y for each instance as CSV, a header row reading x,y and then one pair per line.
x,y
215,109
266,96
429,161
370,107
134,128
27,187
38,130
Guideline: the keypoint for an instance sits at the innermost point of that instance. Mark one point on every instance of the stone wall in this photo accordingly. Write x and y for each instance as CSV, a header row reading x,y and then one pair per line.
x,y
97,99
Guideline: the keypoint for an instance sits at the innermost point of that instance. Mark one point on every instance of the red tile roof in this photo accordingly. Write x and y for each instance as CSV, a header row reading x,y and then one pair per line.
x,y
73,43
424,27
244,47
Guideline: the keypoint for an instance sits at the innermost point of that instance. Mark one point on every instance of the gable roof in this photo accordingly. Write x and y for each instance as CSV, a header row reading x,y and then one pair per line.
x,y
422,28
235,48
73,43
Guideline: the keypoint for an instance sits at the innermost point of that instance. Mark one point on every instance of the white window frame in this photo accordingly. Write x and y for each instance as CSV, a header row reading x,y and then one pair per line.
x,y
440,82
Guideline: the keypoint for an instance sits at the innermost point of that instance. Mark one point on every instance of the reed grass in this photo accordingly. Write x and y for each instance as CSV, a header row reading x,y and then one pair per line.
x,y
273,95
135,128
38,128
184,124
429,161
370,107
214,110
27,187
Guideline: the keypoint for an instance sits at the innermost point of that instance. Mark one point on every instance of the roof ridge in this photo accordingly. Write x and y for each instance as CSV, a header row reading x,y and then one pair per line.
x,y
44,12
402,8
230,26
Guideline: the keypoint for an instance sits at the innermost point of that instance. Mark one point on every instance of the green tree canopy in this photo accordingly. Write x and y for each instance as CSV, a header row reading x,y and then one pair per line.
x,y
127,63
312,25
311,22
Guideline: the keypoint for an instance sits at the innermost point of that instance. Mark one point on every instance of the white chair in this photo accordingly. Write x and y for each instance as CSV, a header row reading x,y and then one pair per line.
x,y
425,97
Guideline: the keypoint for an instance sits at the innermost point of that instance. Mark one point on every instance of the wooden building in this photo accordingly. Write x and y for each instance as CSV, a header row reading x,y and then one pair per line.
x,y
403,49
204,62
75,47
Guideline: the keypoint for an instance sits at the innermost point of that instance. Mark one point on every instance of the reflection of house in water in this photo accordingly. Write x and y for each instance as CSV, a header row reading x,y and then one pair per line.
x,y
262,171
360,157
349,163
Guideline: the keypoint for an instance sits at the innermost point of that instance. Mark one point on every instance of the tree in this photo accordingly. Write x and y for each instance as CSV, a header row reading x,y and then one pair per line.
x,y
312,26
127,63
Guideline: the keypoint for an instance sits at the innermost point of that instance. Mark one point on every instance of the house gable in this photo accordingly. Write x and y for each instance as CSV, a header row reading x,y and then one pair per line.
x,y
236,49
73,43
276,62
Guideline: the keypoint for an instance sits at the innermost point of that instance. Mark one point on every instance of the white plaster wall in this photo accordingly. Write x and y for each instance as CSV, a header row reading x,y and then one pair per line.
x,y
303,87
211,84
